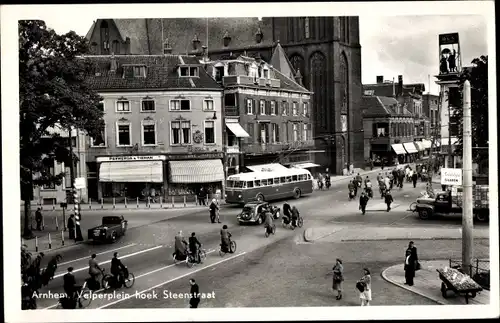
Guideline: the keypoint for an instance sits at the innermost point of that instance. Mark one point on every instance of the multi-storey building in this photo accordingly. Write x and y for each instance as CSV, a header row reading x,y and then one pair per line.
x,y
430,103
272,107
163,127
324,51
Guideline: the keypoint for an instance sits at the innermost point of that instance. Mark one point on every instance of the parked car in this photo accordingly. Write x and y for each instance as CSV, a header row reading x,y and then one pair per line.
x,y
112,228
253,212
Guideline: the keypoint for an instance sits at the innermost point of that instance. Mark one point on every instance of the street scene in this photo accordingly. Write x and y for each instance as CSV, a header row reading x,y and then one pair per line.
x,y
182,163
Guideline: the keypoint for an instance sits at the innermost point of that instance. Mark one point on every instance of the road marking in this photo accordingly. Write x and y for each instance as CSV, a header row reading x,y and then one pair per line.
x,y
137,277
108,261
68,262
171,280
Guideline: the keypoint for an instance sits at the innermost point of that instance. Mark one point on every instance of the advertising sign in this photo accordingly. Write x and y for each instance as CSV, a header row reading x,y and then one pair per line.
x,y
80,183
451,176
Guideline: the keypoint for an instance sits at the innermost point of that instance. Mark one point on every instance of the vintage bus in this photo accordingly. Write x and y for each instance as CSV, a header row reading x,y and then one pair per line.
x,y
268,185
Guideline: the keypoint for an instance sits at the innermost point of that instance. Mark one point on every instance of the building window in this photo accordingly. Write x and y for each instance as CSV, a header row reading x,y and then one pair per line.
x,y
100,139
276,133
295,132
181,132
180,105
273,108
139,71
266,73
124,134
380,132
100,106
149,134
284,108
306,28
306,109
262,107
219,73
122,106
148,105
116,47
295,109
209,132
230,100
50,171
304,136
249,106
186,71
208,105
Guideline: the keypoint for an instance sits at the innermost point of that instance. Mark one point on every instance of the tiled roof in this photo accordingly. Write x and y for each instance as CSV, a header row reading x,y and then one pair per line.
x,y
161,73
287,83
280,61
372,107
390,104
386,89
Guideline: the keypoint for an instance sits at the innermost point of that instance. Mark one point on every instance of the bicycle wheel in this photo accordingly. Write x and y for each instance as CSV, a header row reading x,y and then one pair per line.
x,y
85,297
266,234
233,246
300,222
189,261
221,252
129,281
203,255
413,206
105,283
274,229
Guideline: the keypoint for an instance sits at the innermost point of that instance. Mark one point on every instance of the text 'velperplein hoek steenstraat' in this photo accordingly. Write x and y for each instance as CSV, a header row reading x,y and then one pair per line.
x,y
166,294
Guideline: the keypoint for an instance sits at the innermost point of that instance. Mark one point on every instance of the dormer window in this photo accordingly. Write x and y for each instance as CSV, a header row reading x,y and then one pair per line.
x,y
130,71
139,71
266,73
188,71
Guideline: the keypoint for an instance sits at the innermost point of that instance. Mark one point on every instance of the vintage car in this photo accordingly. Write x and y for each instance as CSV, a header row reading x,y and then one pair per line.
x,y
253,212
111,228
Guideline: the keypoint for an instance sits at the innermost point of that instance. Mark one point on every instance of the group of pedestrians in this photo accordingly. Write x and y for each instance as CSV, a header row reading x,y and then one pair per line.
x,y
364,284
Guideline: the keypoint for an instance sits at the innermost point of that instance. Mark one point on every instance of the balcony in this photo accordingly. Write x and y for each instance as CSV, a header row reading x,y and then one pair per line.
x,y
274,148
231,111
385,140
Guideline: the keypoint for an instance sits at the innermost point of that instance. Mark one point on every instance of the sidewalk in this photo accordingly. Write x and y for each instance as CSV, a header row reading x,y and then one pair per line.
x,y
428,284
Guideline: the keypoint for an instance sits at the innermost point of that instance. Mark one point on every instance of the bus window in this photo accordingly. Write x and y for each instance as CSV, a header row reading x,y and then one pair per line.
x,y
229,183
257,183
288,179
282,180
270,181
301,177
264,182
250,184
308,176
276,180
294,178
238,184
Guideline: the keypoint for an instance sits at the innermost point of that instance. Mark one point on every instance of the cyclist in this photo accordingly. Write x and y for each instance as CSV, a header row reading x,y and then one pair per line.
x,y
194,244
94,269
295,216
70,287
225,236
214,211
180,246
268,224
118,269
287,213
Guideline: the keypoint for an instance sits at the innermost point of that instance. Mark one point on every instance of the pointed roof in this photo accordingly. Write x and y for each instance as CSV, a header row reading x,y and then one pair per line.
x,y
91,31
280,61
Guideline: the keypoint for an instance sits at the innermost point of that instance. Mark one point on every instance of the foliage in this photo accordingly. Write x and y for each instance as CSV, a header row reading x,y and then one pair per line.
x,y
52,93
478,78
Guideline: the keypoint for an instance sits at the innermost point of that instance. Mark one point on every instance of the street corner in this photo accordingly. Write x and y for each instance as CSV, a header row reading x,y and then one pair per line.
x,y
313,234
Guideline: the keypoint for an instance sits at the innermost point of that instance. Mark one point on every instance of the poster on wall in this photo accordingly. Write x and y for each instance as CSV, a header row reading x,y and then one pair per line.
x,y
343,120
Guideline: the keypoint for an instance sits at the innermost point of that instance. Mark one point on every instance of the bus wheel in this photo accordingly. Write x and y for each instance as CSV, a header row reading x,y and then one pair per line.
x,y
296,193
260,198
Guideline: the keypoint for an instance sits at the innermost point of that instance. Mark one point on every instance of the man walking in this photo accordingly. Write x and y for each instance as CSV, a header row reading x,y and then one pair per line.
x,y
201,197
39,219
414,178
194,293
363,201
388,200
71,226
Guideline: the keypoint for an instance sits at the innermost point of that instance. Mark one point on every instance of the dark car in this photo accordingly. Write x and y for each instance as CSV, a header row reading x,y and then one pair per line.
x,y
111,228
253,212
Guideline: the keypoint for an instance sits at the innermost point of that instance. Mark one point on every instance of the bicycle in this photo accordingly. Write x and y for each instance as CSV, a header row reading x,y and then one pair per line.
x,y
232,248
413,207
190,260
273,230
109,281
84,298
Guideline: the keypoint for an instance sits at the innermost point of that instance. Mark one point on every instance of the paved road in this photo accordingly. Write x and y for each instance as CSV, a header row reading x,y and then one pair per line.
x,y
147,250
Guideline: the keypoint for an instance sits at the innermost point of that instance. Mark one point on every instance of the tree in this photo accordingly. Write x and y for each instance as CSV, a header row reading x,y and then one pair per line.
x,y
52,93
478,78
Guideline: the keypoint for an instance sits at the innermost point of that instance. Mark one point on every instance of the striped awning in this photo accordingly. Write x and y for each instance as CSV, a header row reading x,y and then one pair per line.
x,y
410,147
237,129
398,149
196,171
131,171
420,145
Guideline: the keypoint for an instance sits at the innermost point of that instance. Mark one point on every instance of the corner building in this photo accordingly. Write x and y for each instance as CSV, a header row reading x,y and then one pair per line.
x,y
163,128
324,51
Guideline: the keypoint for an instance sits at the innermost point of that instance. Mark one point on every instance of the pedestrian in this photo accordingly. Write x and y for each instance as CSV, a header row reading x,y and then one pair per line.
x,y
201,196
388,200
411,263
39,219
338,278
401,178
71,226
355,183
414,178
365,295
194,294
443,187
363,201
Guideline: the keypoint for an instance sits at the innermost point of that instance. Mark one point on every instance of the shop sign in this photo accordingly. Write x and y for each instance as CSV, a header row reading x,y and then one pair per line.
x,y
129,158
195,156
451,176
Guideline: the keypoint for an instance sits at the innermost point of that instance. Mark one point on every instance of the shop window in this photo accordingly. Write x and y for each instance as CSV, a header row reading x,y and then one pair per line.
x,y
209,132
124,135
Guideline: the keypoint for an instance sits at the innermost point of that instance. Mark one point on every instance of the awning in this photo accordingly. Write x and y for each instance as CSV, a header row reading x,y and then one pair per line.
x,y
237,129
398,149
419,145
267,168
306,165
131,171
196,171
444,141
427,143
410,147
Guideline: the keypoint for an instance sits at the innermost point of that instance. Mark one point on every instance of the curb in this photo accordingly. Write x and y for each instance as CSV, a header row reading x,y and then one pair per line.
x,y
405,239
316,238
46,251
384,276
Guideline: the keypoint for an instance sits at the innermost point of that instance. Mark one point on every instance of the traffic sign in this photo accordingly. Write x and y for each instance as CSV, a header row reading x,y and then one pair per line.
x,y
80,182
451,176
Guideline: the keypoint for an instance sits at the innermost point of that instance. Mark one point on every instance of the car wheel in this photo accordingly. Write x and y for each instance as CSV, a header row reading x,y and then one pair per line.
x,y
260,198
424,214
296,193
481,216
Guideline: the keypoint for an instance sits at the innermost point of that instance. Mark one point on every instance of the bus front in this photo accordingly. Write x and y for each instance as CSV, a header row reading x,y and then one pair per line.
x,y
234,190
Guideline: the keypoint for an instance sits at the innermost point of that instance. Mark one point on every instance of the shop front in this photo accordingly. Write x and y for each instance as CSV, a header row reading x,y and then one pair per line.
x,y
412,151
421,149
400,152
189,173
131,177
233,152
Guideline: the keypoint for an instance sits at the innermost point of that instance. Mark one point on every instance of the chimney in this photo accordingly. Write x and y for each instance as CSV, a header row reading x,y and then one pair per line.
x,y
400,84
227,39
380,79
298,77
393,88
196,42
259,35
205,53
114,64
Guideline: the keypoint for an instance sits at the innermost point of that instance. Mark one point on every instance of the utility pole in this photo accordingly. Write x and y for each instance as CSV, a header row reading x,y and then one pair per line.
x,y
450,164
71,165
467,223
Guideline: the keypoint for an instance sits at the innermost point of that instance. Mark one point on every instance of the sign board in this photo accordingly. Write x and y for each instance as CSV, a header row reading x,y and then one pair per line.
x,y
129,158
451,176
80,183
446,39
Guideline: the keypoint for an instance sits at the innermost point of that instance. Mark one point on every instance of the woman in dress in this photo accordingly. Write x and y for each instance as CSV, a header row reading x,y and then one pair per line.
x,y
338,277
366,295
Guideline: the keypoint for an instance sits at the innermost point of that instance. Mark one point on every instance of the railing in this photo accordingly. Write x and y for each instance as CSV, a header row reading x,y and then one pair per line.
x,y
480,271
231,111
238,79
